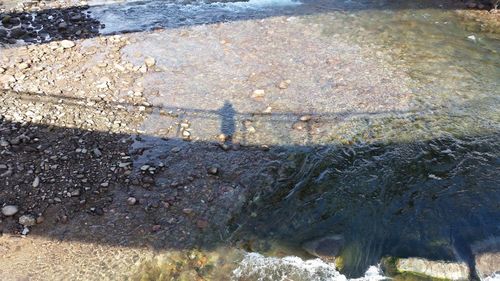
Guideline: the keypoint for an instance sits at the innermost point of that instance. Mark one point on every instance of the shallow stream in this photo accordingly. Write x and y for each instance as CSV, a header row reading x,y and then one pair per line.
x,y
422,180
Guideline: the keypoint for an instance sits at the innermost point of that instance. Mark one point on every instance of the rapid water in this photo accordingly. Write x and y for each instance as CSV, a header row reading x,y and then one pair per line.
x,y
424,184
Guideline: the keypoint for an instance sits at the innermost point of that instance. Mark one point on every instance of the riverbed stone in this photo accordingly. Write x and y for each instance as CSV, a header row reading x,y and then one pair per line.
x,y
436,269
27,220
9,210
66,44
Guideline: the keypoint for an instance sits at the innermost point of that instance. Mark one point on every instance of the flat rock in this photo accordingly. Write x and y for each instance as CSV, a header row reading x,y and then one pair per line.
x,y
435,269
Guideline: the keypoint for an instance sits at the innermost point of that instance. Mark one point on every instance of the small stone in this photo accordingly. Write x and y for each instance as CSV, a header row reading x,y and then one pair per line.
x,y
258,94
4,143
25,231
284,84
62,25
149,61
187,211
9,210
27,220
148,179
213,170
222,137
105,184
186,134
36,182
156,228
472,38
74,192
471,4
202,224
175,149
66,44
145,167
23,65
97,152
298,126
131,201
40,219
305,118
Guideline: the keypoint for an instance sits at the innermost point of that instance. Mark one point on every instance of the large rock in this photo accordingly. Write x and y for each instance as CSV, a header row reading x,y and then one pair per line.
x,y
436,269
326,248
487,257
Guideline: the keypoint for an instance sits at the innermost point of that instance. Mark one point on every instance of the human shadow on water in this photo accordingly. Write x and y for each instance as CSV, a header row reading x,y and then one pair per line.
x,y
54,24
425,199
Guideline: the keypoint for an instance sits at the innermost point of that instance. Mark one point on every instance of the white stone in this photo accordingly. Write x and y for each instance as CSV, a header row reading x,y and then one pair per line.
x,y
9,210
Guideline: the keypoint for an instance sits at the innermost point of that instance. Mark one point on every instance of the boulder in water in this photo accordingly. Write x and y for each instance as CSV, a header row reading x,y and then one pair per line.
x,y
326,248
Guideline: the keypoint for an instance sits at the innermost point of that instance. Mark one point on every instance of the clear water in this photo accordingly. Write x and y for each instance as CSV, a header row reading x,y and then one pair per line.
x,y
424,184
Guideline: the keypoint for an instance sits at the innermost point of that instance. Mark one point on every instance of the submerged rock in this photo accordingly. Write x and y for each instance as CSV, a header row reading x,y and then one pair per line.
x,y
435,269
326,248
487,257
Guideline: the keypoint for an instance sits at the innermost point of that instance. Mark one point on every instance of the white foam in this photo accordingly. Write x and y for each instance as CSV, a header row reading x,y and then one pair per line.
x,y
255,266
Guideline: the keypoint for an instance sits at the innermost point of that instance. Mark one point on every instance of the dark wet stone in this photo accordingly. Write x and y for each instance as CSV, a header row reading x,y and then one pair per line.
x,y
326,247
17,33
148,179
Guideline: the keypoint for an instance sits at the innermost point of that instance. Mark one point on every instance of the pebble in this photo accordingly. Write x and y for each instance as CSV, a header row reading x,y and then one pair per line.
x,y
149,61
156,227
40,219
97,152
131,201
222,137
257,94
36,182
305,118
213,170
202,224
27,220
9,210
66,44
187,211
23,65
284,84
